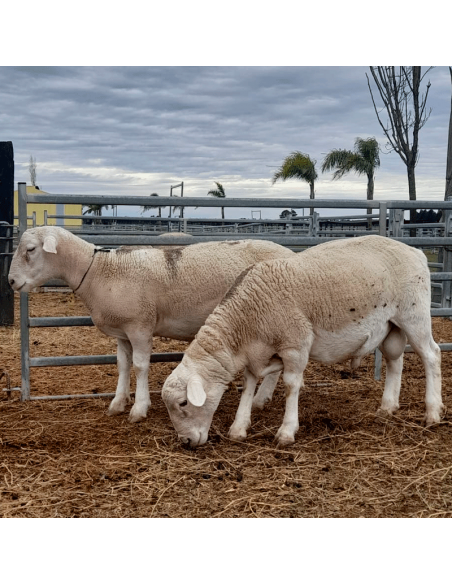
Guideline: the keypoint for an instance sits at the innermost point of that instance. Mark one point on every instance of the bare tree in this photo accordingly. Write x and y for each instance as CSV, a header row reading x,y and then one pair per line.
x,y
399,89
32,170
449,151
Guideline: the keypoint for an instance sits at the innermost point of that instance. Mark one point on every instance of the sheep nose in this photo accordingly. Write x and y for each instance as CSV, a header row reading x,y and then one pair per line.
x,y
11,281
186,442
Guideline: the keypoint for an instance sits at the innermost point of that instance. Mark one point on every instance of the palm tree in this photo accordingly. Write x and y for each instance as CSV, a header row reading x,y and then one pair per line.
x,y
301,166
145,208
96,210
364,159
218,192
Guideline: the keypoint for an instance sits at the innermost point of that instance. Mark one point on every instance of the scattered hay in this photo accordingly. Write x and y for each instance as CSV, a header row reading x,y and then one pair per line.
x,y
69,459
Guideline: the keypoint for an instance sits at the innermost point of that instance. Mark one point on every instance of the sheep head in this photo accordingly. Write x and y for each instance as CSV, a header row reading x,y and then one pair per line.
x,y
33,261
191,402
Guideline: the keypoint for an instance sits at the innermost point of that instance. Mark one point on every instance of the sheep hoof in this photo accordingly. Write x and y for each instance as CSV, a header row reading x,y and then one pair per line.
x,y
137,414
432,418
259,405
135,418
384,414
286,441
238,435
283,439
118,406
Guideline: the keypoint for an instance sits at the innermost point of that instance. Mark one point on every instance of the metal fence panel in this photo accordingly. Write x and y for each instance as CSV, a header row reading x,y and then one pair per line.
x,y
393,229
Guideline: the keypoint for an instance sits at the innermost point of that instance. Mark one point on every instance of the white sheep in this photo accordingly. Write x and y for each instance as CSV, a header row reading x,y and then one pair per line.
x,y
135,293
337,301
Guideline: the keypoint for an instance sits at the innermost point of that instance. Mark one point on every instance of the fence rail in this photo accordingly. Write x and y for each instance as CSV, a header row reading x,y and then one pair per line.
x,y
390,224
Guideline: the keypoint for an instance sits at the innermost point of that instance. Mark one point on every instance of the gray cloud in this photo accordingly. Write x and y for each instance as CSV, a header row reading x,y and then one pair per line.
x,y
145,128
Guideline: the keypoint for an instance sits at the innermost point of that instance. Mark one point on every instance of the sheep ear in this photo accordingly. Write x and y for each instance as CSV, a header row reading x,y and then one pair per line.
x,y
50,244
195,391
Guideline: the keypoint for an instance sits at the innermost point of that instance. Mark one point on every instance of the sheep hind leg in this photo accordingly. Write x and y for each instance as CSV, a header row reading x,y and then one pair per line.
x,y
392,349
421,339
266,389
242,419
124,360
294,365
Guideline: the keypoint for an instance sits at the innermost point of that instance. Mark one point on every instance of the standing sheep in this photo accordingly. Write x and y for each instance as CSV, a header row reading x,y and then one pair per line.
x,y
134,293
337,301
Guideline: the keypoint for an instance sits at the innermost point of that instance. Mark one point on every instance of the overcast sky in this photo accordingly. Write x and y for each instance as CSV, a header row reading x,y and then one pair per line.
x,y
139,130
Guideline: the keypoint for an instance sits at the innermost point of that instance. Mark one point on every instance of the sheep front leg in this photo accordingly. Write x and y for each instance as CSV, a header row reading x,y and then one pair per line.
x,y
141,357
242,419
122,397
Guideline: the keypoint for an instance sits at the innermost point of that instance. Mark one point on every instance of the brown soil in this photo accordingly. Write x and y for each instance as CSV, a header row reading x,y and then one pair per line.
x,y
69,459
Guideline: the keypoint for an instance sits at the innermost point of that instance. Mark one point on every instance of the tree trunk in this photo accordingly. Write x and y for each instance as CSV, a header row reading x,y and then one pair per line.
x,y
412,194
449,152
311,196
370,197
222,212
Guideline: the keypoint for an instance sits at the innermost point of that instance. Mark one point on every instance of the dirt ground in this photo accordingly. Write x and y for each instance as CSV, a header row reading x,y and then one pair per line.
x,y
69,459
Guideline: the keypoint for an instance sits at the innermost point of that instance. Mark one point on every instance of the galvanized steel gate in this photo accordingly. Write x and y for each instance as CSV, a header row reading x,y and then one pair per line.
x,y
392,228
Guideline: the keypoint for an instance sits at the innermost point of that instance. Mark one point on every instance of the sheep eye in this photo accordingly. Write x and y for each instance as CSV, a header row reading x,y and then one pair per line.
x,y
183,404
31,249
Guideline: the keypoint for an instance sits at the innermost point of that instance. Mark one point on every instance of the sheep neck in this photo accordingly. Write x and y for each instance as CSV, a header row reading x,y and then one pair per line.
x,y
219,363
73,259
96,250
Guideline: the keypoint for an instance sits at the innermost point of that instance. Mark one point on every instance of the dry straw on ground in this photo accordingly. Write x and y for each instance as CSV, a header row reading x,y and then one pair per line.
x,y
69,459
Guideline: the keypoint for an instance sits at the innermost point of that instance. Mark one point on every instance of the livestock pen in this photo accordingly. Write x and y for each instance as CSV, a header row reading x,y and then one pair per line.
x,y
67,458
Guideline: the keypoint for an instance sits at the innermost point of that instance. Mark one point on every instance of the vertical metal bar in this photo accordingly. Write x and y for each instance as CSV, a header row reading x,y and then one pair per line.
x,y
382,231
382,219
315,224
22,200
378,363
391,222
25,346
6,220
447,260
24,322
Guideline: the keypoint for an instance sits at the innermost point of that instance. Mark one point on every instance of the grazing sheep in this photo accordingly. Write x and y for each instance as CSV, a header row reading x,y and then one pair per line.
x,y
337,301
134,293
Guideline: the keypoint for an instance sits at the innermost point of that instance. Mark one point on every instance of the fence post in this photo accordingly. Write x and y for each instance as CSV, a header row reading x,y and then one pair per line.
x,y
382,225
22,196
6,231
313,224
24,316
447,258
395,222
382,219
24,346
378,364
